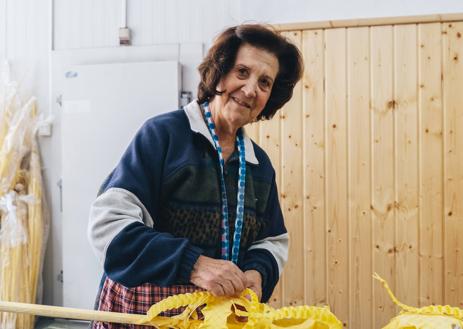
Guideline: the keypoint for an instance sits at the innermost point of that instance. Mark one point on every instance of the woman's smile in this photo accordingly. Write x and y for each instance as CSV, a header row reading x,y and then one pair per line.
x,y
240,102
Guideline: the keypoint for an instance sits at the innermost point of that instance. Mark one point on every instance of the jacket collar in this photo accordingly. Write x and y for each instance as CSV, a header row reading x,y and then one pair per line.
x,y
197,124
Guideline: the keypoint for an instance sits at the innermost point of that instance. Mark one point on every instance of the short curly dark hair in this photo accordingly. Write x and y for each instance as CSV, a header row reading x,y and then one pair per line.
x,y
221,57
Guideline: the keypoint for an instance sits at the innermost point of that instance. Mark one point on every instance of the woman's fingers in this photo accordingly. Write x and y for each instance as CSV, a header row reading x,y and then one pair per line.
x,y
217,290
238,285
220,277
235,276
229,289
254,282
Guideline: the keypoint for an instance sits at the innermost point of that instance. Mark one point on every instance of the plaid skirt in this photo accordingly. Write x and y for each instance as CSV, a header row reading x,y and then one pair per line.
x,y
114,297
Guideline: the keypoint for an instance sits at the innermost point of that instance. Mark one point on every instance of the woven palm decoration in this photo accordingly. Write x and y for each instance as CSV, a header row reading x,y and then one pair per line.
x,y
244,312
428,317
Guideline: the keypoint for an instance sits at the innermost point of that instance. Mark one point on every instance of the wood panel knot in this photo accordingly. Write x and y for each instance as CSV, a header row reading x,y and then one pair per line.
x,y
392,104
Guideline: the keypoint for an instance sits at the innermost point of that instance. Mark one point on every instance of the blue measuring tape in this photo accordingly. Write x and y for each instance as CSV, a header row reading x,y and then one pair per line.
x,y
240,194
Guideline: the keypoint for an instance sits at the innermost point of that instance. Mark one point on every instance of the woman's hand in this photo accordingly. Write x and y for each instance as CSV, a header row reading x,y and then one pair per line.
x,y
254,282
219,277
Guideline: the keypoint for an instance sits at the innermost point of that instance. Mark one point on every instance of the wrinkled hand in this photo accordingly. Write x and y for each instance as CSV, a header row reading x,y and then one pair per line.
x,y
254,282
219,277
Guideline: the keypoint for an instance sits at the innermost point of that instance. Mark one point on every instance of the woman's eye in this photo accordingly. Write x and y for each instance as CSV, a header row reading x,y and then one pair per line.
x,y
242,72
265,83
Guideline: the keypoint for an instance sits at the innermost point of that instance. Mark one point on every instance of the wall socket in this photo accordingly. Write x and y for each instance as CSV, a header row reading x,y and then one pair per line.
x,y
124,36
45,129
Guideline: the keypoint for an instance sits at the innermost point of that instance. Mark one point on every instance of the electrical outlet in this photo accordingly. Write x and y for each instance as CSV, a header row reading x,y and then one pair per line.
x,y
124,36
44,129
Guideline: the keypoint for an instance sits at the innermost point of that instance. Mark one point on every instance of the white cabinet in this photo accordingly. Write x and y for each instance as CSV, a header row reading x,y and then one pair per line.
x,y
103,106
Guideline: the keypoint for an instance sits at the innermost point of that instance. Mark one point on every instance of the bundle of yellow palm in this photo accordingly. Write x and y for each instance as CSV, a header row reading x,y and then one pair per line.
x,y
22,222
244,312
428,317
201,311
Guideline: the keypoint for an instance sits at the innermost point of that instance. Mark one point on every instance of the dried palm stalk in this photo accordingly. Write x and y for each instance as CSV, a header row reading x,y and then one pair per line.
x,y
23,221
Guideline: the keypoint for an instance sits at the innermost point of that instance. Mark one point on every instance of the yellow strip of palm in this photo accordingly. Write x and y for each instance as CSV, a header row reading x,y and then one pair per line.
x,y
427,317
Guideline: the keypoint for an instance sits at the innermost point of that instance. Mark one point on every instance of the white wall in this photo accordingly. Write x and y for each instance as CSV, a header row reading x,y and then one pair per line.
x,y
89,23
25,39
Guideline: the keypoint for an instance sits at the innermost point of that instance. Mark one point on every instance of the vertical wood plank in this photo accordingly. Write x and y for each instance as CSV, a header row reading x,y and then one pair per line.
x,y
453,162
360,252
431,164
314,167
252,130
291,190
382,104
406,163
270,140
336,173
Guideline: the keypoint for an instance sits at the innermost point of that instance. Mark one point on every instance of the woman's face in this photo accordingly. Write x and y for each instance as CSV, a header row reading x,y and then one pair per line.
x,y
246,87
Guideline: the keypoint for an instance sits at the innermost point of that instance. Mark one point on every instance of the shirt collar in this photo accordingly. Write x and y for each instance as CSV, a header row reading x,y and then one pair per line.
x,y
197,124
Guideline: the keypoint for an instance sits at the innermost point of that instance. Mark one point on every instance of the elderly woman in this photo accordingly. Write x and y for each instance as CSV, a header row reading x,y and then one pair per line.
x,y
193,203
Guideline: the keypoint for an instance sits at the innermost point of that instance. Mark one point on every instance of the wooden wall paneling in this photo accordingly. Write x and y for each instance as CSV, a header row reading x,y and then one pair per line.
x,y
336,172
359,175
252,130
291,190
270,141
314,167
380,175
382,122
406,163
368,22
453,161
430,166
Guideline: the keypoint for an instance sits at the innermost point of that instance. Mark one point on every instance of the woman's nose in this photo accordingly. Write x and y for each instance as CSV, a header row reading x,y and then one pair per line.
x,y
249,88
